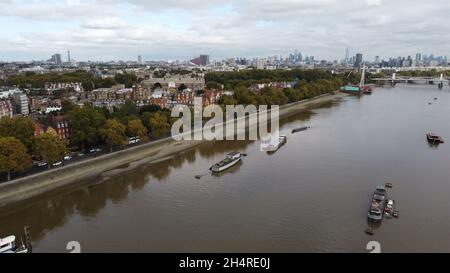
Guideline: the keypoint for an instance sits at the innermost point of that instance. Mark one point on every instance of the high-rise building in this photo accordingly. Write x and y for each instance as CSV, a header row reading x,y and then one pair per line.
x,y
261,63
346,56
377,59
202,60
68,56
21,101
418,58
140,59
55,59
358,60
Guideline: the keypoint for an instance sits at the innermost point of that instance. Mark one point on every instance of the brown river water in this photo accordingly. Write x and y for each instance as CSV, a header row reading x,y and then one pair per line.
x,y
310,196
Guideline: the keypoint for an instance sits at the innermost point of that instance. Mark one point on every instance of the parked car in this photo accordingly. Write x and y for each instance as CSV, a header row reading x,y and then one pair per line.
x,y
56,164
42,164
133,140
95,150
67,157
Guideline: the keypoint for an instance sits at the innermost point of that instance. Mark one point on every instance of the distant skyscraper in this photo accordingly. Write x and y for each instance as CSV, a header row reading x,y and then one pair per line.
x,y
140,59
68,56
346,56
418,58
202,60
56,59
358,60
377,59
261,63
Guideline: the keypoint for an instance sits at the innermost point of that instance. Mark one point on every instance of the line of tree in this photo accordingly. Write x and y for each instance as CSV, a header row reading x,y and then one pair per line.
x,y
88,80
233,79
429,73
18,144
90,126
128,79
271,96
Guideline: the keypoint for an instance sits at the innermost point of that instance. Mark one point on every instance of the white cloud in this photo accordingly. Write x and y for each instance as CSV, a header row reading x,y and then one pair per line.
x,y
105,23
182,28
373,2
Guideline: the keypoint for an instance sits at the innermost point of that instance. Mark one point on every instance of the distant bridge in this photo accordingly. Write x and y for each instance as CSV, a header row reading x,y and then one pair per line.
x,y
405,79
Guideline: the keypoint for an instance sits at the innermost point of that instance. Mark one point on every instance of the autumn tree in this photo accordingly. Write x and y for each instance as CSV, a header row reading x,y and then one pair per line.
x,y
158,124
21,128
50,147
136,128
113,133
13,156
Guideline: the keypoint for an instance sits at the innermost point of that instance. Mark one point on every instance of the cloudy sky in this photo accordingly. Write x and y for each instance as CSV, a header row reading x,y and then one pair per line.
x,y
181,29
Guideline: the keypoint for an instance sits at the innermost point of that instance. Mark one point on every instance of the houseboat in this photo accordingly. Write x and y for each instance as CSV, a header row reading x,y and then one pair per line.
x,y
434,138
8,245
231,160
274,146
377,206
360,89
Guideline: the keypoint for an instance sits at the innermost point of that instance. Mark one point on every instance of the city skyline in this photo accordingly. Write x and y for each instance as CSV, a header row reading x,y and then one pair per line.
x,y
180,30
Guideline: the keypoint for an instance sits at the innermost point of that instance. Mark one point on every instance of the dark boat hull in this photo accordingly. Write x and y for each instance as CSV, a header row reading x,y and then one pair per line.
x,y
300,129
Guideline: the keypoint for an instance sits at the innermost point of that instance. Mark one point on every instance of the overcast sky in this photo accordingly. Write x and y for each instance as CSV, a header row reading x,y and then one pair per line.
x,y
181,29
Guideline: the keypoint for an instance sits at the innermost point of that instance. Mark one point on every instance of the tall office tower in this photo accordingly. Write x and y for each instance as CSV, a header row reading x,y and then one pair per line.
x,y
358,60
202,60
418,58
56,59
346,56
261,63
140,59
68,56
377,59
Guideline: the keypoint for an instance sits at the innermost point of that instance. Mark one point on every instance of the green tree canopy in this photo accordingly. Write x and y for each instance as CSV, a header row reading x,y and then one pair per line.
x,y
50,147
13,156
19,127
128,79
85,124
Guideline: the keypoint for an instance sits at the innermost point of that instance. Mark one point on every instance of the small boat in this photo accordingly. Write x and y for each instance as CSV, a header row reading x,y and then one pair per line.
x,y
389,209
274,146
231,160
351,89
367,90
8,244
388,185
300,129
434,138
376,209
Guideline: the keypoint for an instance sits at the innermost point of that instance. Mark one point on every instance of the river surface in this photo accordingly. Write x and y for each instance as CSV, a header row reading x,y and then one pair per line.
x,y
310,196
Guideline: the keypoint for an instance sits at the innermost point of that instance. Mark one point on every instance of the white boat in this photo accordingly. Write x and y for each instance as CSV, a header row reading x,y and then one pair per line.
x,y
231,160
8,245
274,146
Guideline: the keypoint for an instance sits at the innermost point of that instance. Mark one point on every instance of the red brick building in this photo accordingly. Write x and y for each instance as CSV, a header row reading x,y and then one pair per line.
x,y
162,102
211,97
38,128
61,126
